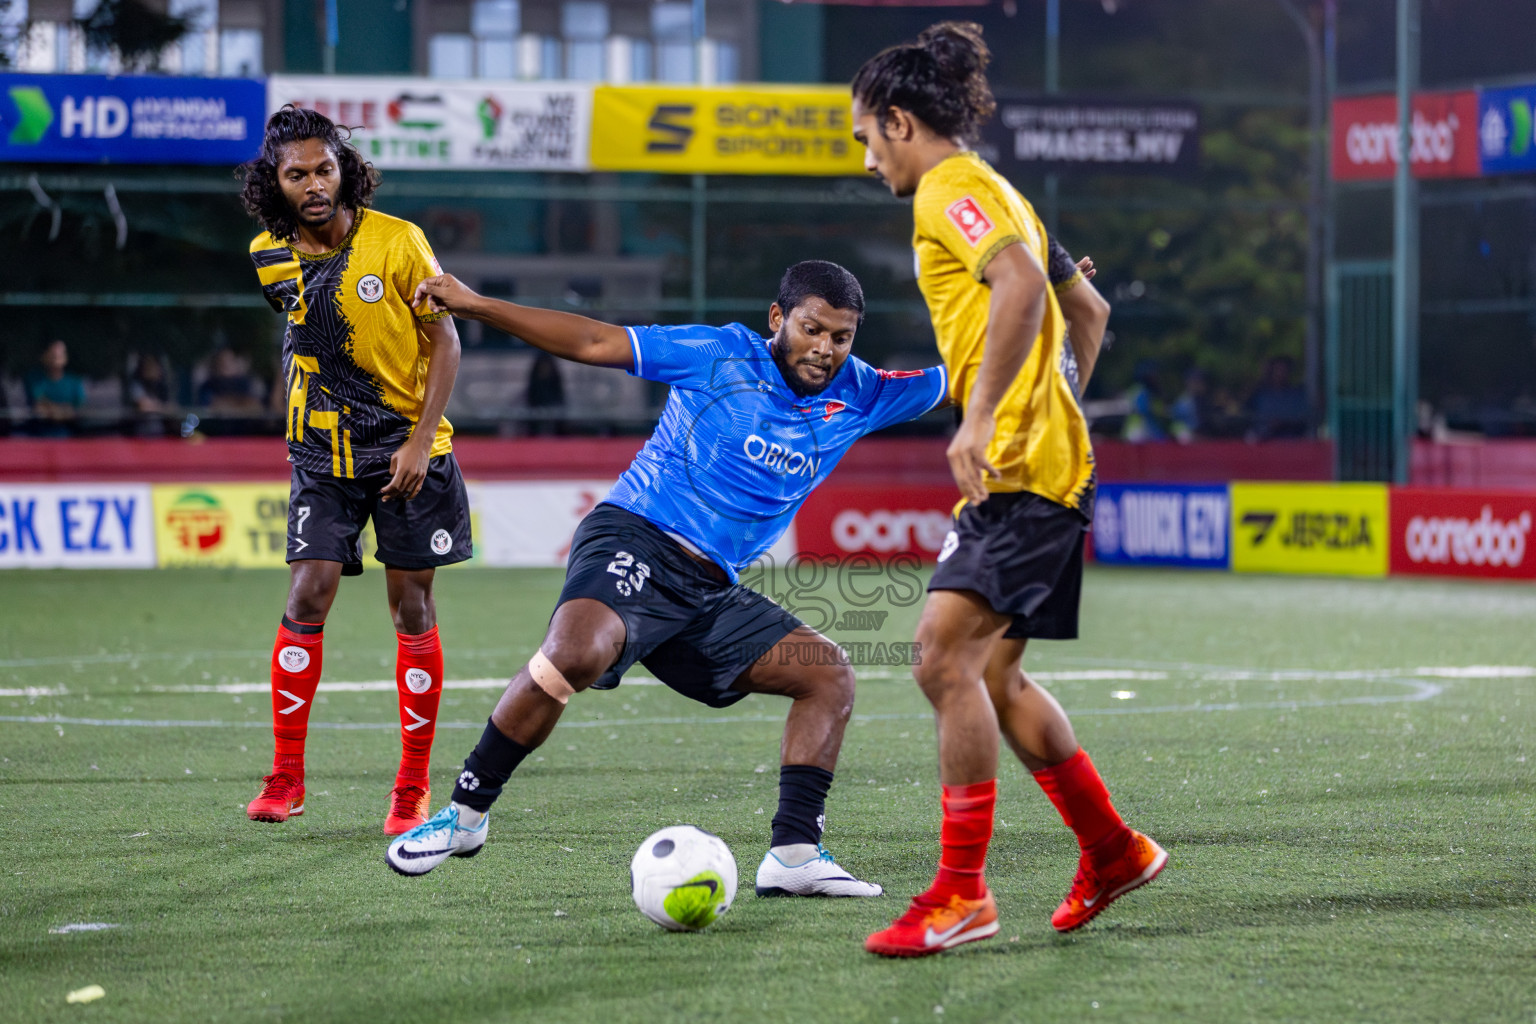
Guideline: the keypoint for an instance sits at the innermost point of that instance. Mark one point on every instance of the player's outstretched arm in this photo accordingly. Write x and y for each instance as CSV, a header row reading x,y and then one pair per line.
x,y
408,465
1014,315
577,338
1087,315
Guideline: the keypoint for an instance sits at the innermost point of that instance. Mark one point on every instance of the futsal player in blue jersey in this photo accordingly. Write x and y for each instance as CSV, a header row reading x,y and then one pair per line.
x,y
750,427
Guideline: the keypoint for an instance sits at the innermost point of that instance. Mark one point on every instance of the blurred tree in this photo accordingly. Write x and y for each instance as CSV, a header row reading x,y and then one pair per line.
x,y
136,32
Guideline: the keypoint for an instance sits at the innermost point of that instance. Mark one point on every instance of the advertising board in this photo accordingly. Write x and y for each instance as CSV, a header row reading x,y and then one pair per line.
x,y
1324,529
86,526
1162,524
763,129
130,119
425,124
1365,143
841,520
239,525
1443,532
1504,132
1041,133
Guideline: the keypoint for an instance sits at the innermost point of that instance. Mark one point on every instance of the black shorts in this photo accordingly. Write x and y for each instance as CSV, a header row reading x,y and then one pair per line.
x,y
1024,555
326,515
686,622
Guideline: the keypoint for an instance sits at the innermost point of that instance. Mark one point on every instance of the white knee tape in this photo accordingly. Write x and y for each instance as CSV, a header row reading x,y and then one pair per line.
x,y
549,678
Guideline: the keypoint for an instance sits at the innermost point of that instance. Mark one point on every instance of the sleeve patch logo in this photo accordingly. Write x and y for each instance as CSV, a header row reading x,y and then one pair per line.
x,y
370,288
899,374
967,216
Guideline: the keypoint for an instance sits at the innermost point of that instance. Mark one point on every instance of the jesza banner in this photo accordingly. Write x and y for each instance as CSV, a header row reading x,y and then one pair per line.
x,y
130,119
1161,524
1091,136
85,526
764,129
1325,529
424,124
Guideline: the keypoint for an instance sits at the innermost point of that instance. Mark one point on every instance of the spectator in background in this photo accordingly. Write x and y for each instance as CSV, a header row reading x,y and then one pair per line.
x,y
1191,410
55,397
546,392
230,387
1145,416
1279,408
149,395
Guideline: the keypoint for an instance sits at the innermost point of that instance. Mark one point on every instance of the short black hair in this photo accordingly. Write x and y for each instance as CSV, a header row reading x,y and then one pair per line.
x,y
820,279
261,194
940,79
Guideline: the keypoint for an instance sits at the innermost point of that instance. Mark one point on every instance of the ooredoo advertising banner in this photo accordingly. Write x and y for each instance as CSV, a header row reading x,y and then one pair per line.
x,y
86,526
1161,524
130,119
764,129
841,520
1365,142
426,124
1324,529
1439,532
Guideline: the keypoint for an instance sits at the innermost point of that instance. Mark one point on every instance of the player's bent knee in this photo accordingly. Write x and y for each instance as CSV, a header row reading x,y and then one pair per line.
x,y
578,664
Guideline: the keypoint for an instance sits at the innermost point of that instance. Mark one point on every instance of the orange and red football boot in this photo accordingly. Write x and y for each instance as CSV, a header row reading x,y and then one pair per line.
x,y
408,806
281,798
1098,885
930,926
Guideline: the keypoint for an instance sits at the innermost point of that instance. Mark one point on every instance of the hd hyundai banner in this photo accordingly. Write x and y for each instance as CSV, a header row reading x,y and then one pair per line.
x,y
1161,524
130,119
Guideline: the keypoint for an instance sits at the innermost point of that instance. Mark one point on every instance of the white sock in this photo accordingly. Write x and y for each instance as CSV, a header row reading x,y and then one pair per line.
x,y
468,816
792,855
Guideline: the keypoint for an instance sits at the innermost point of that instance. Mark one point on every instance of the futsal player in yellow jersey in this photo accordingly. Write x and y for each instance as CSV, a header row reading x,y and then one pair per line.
x,y
368,378
1011,568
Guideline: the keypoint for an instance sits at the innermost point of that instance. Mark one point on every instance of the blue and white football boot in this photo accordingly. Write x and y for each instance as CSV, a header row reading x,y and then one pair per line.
x,y
434,841
807,870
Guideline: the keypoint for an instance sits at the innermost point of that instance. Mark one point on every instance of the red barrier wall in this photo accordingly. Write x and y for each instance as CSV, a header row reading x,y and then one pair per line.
x,y
895,461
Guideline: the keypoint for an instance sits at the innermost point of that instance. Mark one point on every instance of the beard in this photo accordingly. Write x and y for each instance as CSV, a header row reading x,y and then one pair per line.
x,y
796,383
315,220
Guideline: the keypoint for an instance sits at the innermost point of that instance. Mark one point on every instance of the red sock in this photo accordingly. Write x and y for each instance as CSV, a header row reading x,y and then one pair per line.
x,y
296,661
419,679
964,836
1077,791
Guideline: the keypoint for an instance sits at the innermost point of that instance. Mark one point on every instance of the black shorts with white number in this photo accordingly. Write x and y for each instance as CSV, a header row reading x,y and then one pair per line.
x,y
1024,554
694,629
326,515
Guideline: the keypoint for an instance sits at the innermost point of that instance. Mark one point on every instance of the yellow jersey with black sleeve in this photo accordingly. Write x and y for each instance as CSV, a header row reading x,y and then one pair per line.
x,y
353,358
965,213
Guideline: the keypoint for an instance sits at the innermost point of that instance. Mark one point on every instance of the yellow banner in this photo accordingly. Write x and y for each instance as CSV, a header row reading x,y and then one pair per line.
x,y
764,129
242,525
1328,529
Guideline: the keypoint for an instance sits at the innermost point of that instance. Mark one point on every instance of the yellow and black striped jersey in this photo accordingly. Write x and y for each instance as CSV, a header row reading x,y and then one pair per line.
x,y
352,353
964,214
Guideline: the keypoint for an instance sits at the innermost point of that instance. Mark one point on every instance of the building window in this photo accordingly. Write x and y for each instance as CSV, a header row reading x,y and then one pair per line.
x,y
584,24
240,53
191,54
672,28
451,55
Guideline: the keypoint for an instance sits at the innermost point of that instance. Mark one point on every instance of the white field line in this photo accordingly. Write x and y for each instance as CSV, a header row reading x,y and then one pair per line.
x,y
1418,690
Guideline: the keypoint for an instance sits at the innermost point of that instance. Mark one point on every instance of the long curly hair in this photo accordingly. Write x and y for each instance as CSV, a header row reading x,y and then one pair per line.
x,y
261,194
940,79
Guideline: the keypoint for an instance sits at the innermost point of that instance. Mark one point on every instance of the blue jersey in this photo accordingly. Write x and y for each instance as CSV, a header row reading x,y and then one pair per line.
x,y
736,451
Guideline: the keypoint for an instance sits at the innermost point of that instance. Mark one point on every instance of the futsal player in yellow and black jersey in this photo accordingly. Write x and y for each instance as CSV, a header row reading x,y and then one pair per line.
x,y
1011,568
367,381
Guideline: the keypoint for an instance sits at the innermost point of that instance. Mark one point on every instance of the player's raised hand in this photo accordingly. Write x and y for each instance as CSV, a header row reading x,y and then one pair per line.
x,y
407,470
444,292
1086,268
968,456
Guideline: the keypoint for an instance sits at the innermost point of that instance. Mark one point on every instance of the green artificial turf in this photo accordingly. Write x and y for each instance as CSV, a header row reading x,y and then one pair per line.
x,y
1351,836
